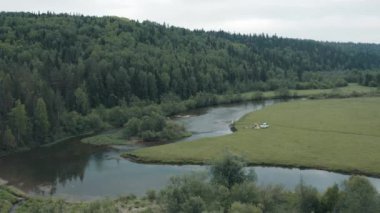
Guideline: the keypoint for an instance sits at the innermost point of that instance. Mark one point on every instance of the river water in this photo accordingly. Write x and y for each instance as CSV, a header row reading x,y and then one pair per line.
x,y
76,171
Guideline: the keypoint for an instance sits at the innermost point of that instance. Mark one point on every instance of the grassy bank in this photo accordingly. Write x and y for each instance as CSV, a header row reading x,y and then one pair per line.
x,y
334,134
9,196
13,200
111,137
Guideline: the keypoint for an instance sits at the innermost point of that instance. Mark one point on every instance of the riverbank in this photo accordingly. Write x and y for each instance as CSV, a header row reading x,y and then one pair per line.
x,y
144,160
335,135
13,200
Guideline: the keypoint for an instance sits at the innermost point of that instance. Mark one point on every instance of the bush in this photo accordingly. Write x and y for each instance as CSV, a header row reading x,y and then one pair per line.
x,y
132,128
230,171
117,116
151,195
282,92
173,131
154,122
175,197
245,192
73,123
330,199
274,199
194,205
172,108
238,207
308,200
150,136
94,122
358,195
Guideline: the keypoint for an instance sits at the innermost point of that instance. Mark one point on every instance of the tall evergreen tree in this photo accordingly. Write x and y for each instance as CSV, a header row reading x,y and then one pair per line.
x,y
81,101
9,138
19,121
41,121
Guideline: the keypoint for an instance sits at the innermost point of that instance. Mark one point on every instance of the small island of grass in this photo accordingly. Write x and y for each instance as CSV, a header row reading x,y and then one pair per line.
x,y
151,128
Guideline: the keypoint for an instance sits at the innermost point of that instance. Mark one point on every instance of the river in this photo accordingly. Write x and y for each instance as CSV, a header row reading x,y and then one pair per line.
x,y
77,171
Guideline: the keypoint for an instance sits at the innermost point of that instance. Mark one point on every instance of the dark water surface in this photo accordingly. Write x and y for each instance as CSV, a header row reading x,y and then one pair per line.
x,y
73,170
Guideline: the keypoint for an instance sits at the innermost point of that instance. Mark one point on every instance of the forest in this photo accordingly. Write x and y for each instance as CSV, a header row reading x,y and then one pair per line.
x,y
63,75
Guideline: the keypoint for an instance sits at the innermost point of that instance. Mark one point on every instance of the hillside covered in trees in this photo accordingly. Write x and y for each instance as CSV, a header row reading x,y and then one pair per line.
x,y
60,73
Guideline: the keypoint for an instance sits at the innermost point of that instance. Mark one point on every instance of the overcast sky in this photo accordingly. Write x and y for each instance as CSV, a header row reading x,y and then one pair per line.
x,y
332,20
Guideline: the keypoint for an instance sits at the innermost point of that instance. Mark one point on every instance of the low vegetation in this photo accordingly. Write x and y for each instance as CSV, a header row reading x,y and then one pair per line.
x,y
231,188
11,198
334,134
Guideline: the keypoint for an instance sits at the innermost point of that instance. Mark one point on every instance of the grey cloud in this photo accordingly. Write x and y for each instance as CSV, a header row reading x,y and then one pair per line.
x,y
337,20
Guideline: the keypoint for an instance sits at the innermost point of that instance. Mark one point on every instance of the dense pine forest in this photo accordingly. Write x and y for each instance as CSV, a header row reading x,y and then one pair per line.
x,y
64,75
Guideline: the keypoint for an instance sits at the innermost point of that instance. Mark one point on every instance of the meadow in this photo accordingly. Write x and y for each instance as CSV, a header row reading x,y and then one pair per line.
x,y
331,134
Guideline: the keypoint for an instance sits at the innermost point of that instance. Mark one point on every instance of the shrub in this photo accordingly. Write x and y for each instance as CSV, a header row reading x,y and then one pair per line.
x,y
132,127
358,195
245,192
151,195
330,199
308,200
238,207
175,197
230,171
150,136
274,198
282,92
194,205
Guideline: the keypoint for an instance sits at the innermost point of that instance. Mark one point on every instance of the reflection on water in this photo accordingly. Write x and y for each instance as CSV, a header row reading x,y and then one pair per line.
x,y
40,170
79,171
73,170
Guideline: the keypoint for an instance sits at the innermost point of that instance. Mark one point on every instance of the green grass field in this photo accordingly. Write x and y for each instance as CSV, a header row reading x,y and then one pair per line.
x,y
332,134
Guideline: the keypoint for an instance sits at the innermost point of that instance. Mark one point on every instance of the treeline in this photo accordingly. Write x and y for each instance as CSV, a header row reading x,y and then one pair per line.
x,y
56,70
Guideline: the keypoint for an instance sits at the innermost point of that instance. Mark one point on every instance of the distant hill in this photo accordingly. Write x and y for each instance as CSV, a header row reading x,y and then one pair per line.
x,y
68,61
